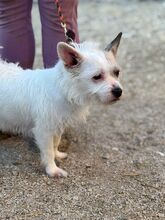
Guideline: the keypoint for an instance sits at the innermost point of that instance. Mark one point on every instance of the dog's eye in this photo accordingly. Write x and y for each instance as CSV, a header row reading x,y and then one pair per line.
x,y
97,77
116,72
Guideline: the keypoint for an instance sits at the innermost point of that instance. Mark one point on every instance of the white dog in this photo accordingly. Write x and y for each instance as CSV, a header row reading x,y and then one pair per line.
x,y
42,102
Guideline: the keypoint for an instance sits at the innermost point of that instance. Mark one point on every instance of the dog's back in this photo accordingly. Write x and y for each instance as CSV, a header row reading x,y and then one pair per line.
x,y
12,99
8,69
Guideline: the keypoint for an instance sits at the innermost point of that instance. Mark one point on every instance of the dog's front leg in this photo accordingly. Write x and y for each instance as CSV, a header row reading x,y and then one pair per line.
x,y
58,154
45,143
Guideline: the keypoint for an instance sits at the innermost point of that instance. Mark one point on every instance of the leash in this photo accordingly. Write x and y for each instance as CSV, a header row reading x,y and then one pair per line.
x,y
69,34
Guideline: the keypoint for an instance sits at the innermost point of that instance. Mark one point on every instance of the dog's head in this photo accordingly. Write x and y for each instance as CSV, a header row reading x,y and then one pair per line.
x,y
94,73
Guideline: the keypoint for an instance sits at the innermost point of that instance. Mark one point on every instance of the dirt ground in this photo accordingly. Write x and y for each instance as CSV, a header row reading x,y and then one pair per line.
x,y
116,161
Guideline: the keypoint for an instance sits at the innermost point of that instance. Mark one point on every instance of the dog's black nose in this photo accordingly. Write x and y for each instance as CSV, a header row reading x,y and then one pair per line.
x,y
117,91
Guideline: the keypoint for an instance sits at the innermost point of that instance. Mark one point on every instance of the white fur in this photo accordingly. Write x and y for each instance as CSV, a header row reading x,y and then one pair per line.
x,y
42,102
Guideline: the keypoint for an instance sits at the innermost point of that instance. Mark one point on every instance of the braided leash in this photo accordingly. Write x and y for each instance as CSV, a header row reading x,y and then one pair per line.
x,y
69,34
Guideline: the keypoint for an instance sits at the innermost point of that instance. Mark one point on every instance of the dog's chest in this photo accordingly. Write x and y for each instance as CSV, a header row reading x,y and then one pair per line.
x,y
68,113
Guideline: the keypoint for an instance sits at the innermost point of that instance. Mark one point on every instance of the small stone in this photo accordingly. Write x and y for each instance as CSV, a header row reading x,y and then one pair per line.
x,y
115,148
87,166
161,215
160,153
104,157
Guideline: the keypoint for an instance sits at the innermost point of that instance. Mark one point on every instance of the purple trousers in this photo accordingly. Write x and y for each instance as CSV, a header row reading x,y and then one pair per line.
x,y
16,32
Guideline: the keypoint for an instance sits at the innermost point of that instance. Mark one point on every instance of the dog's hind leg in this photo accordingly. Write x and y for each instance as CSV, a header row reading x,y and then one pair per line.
x,y
45,143
58,154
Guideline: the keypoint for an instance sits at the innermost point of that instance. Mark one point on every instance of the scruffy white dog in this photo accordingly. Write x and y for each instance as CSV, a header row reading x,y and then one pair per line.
x,y
42,102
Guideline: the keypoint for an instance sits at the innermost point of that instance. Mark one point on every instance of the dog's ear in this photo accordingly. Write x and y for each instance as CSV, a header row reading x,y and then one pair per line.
x,y
69,55
113,46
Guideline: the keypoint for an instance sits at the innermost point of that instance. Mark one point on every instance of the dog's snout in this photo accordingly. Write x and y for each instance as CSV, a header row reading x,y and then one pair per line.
x,y
117,91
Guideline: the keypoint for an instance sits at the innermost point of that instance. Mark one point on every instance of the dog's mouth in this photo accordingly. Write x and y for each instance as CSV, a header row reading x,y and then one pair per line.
x,y
114,100
108,100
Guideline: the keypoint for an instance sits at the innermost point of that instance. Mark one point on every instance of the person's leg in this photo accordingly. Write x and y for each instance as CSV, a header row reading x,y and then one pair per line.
x,y
16,34
52,32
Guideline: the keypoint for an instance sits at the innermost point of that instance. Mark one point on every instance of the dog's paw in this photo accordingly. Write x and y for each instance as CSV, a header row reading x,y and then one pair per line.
x,y
60,173
60,155
56,172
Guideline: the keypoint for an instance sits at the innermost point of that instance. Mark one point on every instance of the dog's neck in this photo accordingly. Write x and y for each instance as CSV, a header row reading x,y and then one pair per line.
x,y
68,87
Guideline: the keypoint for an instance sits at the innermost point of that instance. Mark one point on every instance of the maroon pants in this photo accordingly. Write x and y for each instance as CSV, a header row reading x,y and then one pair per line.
x,y
16,32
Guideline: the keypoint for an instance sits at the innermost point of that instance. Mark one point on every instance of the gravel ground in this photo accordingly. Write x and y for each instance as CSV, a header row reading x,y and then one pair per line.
x,y
116,161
